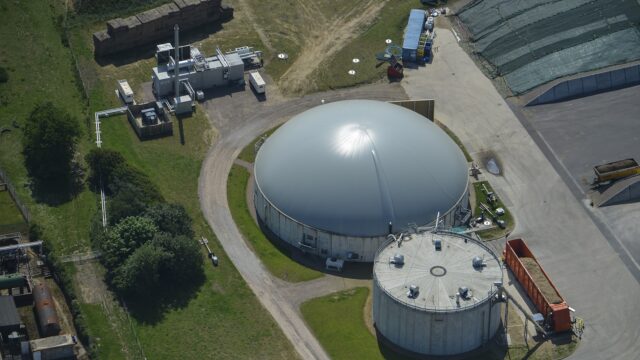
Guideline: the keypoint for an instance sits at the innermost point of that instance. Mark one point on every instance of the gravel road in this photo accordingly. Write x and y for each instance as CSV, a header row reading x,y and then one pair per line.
x,y
240,118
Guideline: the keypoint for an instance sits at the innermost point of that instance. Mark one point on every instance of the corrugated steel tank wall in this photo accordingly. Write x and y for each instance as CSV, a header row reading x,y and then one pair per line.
x,y
434,333
320,242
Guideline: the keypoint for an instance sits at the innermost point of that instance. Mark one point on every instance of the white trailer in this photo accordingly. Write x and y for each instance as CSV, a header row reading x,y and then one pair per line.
x,y
125,91
257,82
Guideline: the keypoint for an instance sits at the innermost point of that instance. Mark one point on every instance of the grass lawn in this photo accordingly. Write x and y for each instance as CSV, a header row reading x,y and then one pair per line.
x,y
337,320
455,139
248,154
223,307
40,69
11,219
481,197
278,263
112,335
390,24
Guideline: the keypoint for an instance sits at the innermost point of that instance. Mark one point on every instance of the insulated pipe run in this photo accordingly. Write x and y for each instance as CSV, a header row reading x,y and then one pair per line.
x,y
176,68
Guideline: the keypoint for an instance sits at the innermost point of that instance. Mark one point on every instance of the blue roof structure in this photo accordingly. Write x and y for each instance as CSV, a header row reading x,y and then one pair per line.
x,y
414,29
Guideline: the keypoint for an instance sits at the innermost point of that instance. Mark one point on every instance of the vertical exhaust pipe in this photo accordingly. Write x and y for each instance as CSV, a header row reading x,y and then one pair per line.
x,y
176,68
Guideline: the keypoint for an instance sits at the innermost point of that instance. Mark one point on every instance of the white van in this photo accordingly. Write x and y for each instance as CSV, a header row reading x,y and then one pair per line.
x,y
257,82
125,91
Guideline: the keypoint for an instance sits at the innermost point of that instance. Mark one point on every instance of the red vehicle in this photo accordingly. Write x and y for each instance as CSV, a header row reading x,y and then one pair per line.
x,y
537,284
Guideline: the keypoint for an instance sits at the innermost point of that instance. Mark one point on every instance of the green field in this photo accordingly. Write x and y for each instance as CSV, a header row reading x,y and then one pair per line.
x,y
278,263
11,219
337,320
45,74
231,322
223,307
481,197
390,24
248,154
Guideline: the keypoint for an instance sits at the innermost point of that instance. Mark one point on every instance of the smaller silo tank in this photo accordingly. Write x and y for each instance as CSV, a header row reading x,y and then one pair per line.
x,y
45,311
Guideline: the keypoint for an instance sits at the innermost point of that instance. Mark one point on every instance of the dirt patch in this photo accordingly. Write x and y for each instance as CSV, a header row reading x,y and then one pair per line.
x,y
325,41
368,314
90,282
543,283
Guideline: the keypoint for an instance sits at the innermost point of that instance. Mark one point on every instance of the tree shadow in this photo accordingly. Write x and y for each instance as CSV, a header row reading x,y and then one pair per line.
x,y
151,308
54,192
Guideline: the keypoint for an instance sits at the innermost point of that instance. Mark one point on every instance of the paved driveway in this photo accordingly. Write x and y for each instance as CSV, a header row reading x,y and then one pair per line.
x,y
587,269
594,130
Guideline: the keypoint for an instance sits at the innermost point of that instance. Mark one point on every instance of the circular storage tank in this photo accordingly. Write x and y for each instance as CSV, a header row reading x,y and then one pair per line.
x,y
337,179
436,302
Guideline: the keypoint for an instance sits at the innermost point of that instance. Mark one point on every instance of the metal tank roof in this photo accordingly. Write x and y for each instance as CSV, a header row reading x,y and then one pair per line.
x,y
438,274
351,167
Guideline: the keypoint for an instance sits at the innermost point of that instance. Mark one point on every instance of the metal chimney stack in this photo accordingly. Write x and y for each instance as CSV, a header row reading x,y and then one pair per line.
x,y
176,68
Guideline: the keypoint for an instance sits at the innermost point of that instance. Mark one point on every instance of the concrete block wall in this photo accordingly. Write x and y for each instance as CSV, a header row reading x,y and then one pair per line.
x,y
589,85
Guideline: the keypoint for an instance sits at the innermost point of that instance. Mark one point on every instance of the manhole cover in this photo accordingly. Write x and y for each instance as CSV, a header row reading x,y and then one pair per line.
x,y
283,56
493,167
438,271
351,72
356,60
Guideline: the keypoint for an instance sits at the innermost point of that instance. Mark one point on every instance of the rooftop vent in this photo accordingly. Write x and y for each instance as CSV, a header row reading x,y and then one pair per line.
x,y
438,244
397,260
414,290
464,292
478,262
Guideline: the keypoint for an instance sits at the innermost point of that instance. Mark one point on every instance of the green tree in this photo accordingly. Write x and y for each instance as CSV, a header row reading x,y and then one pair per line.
x,y
184,262
124,238
140,274
170,218
103,164
4,76
49,145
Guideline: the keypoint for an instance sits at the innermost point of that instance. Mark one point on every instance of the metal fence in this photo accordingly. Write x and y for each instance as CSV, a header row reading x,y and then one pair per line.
x,y
14,195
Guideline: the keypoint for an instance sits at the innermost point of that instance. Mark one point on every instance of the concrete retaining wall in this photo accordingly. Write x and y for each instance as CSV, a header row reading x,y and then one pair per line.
x,y
589,85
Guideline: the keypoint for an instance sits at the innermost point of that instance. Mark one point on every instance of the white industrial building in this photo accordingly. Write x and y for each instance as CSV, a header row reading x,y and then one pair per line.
x,y
337,179
436,293
195,70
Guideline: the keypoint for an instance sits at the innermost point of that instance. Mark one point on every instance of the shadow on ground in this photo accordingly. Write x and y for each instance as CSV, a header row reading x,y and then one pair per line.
x,y
151,308
54,193
352,270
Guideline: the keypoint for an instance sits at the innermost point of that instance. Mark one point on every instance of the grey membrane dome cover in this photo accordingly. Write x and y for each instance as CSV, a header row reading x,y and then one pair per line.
x,y
351,167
